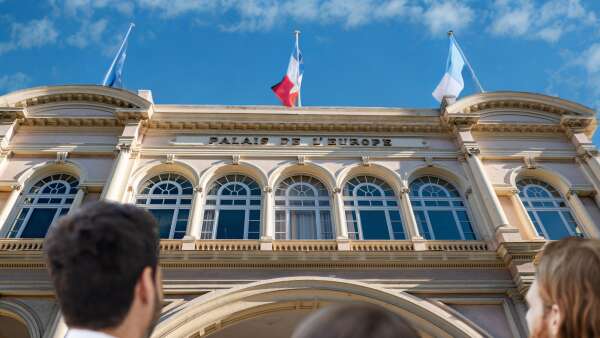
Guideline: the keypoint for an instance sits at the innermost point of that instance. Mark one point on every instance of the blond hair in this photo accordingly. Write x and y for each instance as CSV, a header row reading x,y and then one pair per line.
x,y
568,275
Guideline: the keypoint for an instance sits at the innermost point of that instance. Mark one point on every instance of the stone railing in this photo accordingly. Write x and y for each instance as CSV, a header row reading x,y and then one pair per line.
x,y
227,245
173,245
304,245
456,245
21,244
381,246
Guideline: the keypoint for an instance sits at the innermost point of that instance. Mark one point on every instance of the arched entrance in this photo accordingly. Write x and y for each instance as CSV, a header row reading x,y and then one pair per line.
x,y
272,308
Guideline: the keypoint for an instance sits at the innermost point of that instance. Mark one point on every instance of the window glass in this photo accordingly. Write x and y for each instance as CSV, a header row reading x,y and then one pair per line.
x,y
235,201
376,204
42,204
302,209
168,197
550,215
374,224
439,209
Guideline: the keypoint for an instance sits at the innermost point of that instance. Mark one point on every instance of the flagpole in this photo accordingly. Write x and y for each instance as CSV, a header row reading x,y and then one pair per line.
x,y
453,37
297,33
112,65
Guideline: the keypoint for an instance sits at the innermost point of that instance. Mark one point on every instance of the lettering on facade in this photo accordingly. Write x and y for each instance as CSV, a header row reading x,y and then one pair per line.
x,y
299,141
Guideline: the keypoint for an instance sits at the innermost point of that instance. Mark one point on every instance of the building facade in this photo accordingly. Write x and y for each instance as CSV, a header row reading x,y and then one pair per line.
x,y
268,213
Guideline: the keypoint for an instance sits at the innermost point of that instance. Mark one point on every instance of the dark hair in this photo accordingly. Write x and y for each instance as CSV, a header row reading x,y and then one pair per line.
x,y
95,257
568,275
354,321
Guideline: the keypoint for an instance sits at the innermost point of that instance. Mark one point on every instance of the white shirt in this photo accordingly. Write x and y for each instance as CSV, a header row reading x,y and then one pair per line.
x,y
83,333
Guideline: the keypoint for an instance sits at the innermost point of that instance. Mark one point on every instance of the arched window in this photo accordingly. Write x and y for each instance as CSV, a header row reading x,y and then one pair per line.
x,y
48,199
232,209
372,210
439,210
302,209
547,209
168,197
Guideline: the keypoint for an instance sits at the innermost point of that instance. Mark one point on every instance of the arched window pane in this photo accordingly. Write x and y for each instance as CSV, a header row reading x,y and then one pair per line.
x,y
168,197
48,199
439,210
232,209
302,209
372,211
547,210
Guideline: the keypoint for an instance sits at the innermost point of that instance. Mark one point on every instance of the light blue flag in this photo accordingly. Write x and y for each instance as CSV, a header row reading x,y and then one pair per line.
x,y
452,83
114,76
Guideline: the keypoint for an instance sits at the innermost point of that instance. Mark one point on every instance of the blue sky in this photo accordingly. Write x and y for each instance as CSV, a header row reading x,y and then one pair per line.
x,y
357,52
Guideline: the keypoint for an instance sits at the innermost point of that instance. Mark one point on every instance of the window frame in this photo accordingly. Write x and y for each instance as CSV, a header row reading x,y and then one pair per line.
x,y
179,197
216,208
60,209
555,197
352,205
452,196
318,209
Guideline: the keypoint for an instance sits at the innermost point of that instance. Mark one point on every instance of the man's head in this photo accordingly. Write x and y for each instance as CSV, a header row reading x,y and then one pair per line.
x,y
103,261
354,321
564,299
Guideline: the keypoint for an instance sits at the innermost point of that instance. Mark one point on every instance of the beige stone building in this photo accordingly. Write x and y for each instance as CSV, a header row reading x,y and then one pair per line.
x,y
268,213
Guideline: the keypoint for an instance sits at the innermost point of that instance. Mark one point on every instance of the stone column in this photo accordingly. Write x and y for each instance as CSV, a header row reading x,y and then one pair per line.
x,y
115,185
8,208
268,229
582,215
195,227
408,216
523,216
126,147
341,229
78,200
503,230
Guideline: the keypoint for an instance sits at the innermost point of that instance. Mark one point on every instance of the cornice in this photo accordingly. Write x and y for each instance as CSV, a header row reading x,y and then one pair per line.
x,y
74,93
480,102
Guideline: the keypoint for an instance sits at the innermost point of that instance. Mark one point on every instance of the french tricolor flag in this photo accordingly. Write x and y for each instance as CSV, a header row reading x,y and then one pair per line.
x,y
288,90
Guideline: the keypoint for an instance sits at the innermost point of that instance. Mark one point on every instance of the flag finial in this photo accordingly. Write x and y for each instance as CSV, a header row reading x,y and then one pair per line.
x,y
450,32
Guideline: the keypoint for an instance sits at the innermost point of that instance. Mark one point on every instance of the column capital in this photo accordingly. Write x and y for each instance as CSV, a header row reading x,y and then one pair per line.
x,y
198,189
16,187
267,189
337,190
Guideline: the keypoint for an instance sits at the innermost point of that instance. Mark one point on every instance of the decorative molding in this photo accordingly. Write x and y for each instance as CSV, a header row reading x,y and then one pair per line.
x,y
468,192
337,190
301,160
365,161
235,159
16,187
575,123
61,156
429,161
267,189
170,159
124,146
530,161
470,149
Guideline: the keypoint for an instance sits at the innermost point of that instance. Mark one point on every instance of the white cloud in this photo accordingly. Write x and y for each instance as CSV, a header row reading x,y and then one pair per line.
x,y
443,16
89,32
9,83
35,33
547,21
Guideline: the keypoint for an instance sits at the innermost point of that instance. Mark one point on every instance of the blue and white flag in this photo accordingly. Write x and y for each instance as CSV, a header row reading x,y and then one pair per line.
x,y
452,83
114,76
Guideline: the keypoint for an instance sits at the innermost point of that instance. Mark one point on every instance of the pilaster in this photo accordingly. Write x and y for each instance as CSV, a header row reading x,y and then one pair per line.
x,y
408,215
127,149
268,229
9,206
195,227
